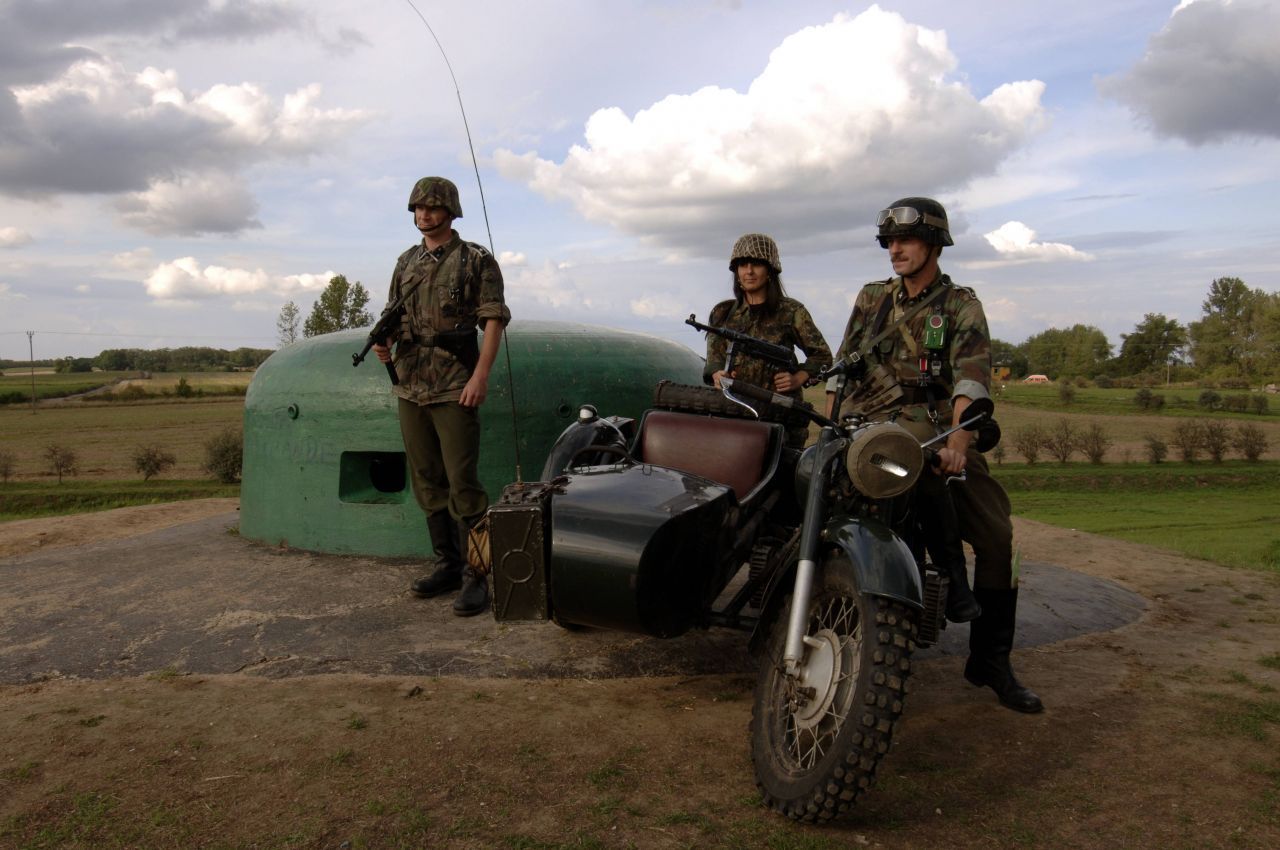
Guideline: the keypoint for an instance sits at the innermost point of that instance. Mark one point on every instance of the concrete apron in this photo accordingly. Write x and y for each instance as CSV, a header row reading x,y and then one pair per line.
x,y
197,598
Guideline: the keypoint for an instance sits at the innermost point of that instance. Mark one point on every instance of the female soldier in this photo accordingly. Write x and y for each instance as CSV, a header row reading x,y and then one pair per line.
x,y
760,307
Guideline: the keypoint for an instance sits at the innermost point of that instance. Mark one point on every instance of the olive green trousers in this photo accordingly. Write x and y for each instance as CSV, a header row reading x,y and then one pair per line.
x,y
442,443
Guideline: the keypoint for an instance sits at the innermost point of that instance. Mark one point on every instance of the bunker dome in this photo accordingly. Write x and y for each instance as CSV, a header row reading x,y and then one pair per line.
x,y
324,464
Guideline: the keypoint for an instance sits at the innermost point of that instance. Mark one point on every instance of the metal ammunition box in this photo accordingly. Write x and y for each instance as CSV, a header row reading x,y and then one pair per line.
x,y
518,552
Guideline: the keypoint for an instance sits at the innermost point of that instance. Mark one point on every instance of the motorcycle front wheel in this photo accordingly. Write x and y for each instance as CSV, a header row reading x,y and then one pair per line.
x,y
818,735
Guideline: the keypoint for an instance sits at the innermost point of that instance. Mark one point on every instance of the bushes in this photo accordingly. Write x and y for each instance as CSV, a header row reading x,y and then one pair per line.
x,y
1188,436
1250,442
61,460
1094,442
1216,439
1157,449
151,461
1066,392
1145,399
1028,441
1061,441
224,455
7,464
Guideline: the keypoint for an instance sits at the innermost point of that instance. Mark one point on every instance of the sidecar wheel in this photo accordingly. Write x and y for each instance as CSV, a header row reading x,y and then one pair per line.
x,y
816,741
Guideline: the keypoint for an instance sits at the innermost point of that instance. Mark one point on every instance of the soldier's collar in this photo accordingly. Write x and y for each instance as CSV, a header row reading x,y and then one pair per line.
x,y
900,295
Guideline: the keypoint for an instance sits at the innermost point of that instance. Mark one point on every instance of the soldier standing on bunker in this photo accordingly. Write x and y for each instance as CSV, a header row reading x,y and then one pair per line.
x,y
929,347
760,308
444,378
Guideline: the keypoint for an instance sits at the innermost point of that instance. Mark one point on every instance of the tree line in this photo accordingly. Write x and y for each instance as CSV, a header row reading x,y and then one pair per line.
x,y
1237,339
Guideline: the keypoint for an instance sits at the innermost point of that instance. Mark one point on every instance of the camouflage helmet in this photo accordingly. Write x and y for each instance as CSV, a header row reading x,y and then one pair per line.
x,y
436,192
756,246
923,218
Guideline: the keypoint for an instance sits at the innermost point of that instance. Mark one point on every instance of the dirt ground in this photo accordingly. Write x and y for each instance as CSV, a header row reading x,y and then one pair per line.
x,y
113,733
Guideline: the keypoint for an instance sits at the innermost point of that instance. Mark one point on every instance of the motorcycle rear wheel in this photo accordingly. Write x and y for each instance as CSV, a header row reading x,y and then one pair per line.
x,y
817,741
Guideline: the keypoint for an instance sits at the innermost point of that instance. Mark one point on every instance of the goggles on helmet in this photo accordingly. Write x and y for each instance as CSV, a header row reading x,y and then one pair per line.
x,y
907,216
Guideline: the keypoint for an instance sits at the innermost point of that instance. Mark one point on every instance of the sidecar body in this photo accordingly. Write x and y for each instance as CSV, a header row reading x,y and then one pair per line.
x,y
647,535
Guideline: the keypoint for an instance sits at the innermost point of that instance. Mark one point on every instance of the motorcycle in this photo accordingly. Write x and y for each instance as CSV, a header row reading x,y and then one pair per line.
x,y
698,516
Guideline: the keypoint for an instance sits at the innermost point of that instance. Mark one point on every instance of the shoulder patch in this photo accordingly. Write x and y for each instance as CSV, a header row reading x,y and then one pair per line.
x,y
965,290
477,247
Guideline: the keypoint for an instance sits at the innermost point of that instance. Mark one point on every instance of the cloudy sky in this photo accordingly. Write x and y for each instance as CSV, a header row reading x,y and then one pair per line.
x,y
173,171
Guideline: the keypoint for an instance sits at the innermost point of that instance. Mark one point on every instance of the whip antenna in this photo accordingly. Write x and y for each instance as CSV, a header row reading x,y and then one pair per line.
x,y
511,389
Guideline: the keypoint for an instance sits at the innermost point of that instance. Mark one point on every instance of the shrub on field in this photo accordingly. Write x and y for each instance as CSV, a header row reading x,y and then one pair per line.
x,y
1028,440
1157,449
1209,400
1104,382
184,389
1094,442
1234,384
1217,438
998,453
151,461
1142,398
1250,441
7,464
1235,403
62,460
1082,382
1066,392
1188,436
223,455
1259,404
1062,440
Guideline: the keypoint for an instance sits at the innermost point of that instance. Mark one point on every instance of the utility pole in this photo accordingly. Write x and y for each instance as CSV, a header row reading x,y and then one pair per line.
x,y
31,352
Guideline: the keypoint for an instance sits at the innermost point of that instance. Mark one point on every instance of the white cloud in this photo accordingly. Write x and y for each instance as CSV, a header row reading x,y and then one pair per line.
x,y
191,205
98,129
12,237
653,307
834,124
184,279
84,289
7,293
1210,74
548,286
512,258
135,260
1014,241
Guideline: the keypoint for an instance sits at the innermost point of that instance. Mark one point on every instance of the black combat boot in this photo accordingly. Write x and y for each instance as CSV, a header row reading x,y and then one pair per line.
x,y
990,640
962,605
474,598
448,572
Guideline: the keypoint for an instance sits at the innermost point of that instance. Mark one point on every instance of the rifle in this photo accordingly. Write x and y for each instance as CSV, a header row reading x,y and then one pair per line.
x,y
778,356
387,324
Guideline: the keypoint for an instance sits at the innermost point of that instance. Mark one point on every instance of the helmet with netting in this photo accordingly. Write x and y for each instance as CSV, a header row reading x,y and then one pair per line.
x,y
923,218
756,246
436,192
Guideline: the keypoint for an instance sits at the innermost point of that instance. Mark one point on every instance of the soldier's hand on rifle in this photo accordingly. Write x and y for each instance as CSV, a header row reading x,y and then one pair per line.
x,y
785,382
383,352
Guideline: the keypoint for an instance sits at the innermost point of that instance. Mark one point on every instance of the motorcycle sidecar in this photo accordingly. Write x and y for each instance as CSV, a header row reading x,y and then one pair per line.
x,y
644,545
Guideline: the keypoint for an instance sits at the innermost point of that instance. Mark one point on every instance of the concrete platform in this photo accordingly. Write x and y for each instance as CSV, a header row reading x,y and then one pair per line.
x,y
196,598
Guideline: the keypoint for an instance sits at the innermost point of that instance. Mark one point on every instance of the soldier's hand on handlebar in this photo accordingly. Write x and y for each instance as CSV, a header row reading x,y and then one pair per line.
x,y
950,461
716,376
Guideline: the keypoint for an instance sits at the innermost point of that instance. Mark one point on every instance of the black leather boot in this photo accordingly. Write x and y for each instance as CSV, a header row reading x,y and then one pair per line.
x,y
990,641
448,572
474,598
941,531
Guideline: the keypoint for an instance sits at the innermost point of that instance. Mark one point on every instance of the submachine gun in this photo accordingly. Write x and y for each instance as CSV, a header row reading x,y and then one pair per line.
x,y
781,357
461,343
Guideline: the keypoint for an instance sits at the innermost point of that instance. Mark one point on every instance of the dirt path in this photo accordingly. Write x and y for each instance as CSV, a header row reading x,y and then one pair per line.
x,y
1161,733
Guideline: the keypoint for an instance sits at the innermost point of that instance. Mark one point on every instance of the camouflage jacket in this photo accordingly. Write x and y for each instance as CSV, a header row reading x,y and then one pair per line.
x,y
931,367
459,285
790,326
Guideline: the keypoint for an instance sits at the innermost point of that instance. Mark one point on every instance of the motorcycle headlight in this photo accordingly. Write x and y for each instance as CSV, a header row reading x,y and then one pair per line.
x,y
883,460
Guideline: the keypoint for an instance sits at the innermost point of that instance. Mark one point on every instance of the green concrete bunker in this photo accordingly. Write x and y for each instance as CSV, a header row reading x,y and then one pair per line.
x,y
324,464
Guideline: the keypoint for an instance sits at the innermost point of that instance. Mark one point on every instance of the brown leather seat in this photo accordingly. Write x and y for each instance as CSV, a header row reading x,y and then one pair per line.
x,y
733,452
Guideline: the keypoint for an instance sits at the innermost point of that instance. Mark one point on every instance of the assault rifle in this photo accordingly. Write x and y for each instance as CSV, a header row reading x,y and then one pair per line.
x,y
388,323
778,356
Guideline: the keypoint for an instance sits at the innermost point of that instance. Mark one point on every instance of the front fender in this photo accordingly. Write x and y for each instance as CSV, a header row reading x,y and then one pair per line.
x,y
881,562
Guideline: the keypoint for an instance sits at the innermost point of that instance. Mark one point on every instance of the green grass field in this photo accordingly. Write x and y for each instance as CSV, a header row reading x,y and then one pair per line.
x,y
1179,401
1227,513
30,499
15,385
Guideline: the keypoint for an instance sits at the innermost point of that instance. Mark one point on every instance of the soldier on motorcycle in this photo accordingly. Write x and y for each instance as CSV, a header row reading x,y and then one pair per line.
x,y
928,354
